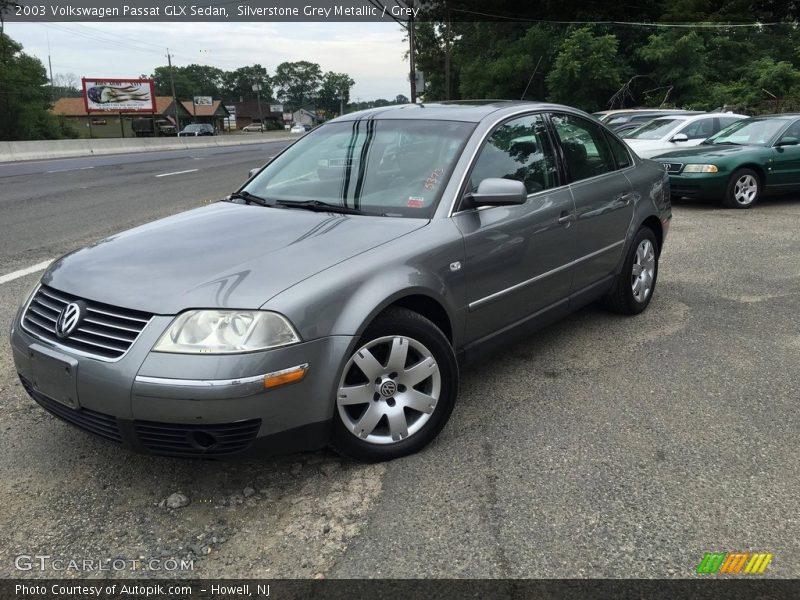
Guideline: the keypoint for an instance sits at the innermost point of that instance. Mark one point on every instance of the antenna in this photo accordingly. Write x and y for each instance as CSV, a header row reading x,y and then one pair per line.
x,y
536,68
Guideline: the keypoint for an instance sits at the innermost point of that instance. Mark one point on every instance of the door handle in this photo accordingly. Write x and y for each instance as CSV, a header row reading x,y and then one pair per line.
x,y
625,197
565,218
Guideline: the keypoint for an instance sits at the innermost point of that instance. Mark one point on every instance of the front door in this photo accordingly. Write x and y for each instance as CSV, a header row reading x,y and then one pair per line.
x,y
784,170
516,257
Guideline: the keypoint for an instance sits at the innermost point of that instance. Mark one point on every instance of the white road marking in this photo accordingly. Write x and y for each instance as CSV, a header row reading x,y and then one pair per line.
x,y
177,173
67,170
23,272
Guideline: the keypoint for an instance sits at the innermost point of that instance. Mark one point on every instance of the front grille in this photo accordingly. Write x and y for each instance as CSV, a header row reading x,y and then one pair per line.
x,y
672,167
106,332
94,422
196,440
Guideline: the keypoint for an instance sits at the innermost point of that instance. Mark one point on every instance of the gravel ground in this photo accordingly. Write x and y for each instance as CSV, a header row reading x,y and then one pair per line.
x,y
601,447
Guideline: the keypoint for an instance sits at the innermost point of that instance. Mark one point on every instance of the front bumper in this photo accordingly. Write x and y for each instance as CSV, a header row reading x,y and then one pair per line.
x,y
709,186
187,405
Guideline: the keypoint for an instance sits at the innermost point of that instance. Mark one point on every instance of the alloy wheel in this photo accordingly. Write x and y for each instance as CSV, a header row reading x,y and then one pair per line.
x,y
389,389
643,272
745,190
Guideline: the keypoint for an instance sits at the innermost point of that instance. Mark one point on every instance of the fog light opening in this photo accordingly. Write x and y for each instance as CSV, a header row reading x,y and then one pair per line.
x,y
202,439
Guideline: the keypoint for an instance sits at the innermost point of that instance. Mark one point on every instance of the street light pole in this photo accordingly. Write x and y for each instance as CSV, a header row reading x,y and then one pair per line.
x,y
257,90
413,71
174,97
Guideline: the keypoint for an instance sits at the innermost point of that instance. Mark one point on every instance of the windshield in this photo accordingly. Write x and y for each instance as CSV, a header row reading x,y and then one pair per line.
x,y
654,130
392,167
750,132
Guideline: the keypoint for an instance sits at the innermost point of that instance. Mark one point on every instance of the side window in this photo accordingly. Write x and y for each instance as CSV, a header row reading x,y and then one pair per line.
x,y
619,151
793,131
519,149
725,121
699,130
585,149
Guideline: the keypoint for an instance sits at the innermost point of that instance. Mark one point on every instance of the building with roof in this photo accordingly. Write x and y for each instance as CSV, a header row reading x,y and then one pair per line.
x,y
213,114
113,124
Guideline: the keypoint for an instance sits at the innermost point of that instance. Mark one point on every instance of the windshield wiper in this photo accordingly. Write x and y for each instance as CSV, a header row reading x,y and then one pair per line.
x,y
250,198
319,206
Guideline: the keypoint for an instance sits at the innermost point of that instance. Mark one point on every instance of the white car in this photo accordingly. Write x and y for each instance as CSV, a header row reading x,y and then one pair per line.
x,y
298,129
677,131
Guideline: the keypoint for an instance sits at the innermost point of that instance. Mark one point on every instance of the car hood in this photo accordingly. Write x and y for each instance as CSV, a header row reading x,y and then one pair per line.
x,y
708,152
221,255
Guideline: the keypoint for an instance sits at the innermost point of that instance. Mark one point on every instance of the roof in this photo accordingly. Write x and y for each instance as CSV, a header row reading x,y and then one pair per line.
x,y
249,108
470,111
75,107
216,109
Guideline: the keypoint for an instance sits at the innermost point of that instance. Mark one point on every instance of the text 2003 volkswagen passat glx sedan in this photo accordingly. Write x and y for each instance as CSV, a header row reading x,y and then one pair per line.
x,y
334,296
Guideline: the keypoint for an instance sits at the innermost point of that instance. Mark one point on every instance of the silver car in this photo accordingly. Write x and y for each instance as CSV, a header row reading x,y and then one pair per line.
x,y
334,298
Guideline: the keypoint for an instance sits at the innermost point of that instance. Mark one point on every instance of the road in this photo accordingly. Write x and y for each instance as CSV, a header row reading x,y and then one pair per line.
x,y
601,447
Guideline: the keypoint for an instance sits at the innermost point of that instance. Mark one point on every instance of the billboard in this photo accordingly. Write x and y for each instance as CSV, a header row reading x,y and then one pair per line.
x,y
119,95
203,101
275,108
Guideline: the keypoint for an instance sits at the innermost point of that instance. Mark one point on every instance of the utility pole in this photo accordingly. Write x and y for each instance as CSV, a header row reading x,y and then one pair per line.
x,y
257,90
174,97
447,52
413,70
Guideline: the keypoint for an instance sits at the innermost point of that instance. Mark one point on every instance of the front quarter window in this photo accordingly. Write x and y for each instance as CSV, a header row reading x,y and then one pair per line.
x,y
378,166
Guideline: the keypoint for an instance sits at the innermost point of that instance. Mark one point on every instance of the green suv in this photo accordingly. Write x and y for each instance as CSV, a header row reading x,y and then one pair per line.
x,y
739,164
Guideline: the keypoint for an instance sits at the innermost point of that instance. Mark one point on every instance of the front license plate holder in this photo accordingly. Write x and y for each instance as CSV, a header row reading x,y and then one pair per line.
x,y
55,375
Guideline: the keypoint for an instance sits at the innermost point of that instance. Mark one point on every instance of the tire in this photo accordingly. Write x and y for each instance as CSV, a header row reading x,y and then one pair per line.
x,y
386,406
635,284
744,189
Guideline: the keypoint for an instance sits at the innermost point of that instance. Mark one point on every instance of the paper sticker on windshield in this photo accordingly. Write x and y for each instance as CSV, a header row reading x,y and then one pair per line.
x,y
416,202
431,182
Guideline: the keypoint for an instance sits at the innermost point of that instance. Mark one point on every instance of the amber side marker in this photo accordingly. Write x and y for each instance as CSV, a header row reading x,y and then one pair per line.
x,y
284,377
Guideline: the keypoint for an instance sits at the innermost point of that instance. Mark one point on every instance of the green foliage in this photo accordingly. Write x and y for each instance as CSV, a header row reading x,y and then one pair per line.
x,y
297,83
24,96
587,70
237,85
334,93
705,65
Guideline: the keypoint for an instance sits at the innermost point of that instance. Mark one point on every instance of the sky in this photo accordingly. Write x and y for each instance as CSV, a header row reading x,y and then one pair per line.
x,y
371,53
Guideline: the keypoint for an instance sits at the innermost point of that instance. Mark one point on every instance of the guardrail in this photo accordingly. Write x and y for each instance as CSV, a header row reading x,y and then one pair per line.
x,y
50,149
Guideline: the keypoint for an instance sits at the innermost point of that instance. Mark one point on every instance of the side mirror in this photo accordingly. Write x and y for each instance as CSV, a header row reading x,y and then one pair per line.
x,y
788,141
680,137
495,191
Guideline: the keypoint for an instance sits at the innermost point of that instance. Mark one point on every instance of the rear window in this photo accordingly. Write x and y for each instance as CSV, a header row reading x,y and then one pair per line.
x,y
654,130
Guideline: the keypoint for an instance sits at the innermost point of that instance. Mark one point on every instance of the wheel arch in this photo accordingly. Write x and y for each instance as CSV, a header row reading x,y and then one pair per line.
x,y
421,302
654,223
759,169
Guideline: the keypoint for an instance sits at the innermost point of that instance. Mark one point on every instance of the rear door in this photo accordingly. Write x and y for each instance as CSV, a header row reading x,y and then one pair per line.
x,y
602,193
517,257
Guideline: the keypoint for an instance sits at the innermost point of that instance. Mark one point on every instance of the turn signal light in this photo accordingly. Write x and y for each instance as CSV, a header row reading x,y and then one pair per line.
x,y
284,377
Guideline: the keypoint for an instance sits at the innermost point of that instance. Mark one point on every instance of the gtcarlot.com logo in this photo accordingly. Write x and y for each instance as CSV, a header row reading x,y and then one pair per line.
x,y
44,562
735,563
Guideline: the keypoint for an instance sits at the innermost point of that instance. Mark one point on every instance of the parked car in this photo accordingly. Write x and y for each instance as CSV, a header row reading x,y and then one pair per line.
x,y
620,118
196,129
298,129
144,127
349,280
741,163
676,131
253,127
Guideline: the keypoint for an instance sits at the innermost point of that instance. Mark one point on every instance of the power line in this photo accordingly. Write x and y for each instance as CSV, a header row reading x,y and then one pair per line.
x,y
688,25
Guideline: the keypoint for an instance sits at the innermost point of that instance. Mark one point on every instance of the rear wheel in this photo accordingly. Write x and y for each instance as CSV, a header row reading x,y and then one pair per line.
x,y
634,286
744,189
396,390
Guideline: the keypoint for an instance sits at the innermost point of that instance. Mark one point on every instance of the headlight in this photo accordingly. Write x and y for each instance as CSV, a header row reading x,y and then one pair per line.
x,y
226,332
700,169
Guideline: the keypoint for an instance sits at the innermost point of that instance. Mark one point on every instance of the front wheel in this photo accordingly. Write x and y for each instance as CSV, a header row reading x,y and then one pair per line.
x,y
744,189
634,286
396,390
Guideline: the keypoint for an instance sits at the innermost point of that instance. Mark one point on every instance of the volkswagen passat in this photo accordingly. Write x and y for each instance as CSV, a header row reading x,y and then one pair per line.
x,y
333,298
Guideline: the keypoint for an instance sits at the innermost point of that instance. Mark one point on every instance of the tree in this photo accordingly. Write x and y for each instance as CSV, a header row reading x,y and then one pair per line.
x,y
334,92
192,80
24,96
587,70
680,80
401,99
297,83
237,85
66,85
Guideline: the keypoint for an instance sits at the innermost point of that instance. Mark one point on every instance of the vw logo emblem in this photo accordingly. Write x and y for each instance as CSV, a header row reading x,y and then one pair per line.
x,y
69,319
388,388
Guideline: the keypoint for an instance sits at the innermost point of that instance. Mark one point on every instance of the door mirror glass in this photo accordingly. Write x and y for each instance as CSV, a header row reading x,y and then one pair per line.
x,y
680,137
495,191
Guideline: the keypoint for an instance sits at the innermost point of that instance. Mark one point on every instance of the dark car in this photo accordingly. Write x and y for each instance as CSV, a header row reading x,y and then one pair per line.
x,y
740,164
336,296
196,129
